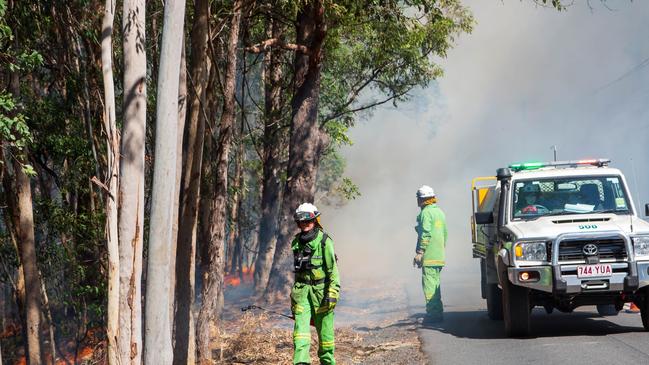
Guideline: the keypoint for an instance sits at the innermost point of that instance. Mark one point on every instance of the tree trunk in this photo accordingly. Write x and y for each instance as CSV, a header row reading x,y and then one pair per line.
x,y
112,175
23,218
182,115
131,183
271,185
19,197
306,142
50,321
235,207
158,344
213,277
185,348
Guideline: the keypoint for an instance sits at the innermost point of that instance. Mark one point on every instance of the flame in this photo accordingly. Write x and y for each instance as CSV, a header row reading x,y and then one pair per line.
x,y
234,280
84,354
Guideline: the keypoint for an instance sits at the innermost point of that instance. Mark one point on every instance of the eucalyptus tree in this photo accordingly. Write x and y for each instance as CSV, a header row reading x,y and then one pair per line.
x,y
131,182
351,57
212,288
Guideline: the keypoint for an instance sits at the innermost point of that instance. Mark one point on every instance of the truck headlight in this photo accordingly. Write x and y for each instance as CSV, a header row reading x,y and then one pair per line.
x,y
531,251
641,246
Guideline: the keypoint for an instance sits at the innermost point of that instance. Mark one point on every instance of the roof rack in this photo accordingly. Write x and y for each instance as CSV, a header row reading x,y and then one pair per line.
x,y
600,162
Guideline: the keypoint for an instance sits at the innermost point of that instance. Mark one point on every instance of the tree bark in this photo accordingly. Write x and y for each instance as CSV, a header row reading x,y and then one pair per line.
x,y
306,141
213,277
271,185
112,175
22,214
50,321
184,350
182,115
158,343
131,183
232,252
23,219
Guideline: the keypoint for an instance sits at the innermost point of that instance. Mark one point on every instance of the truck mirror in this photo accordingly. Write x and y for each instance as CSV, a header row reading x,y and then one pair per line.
x,y
646,210
485,217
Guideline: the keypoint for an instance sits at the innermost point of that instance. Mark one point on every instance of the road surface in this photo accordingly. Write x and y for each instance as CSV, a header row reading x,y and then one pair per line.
x,y
468,336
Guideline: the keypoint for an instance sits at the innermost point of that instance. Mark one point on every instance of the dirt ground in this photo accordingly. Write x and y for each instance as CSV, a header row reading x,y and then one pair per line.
x,y
372,327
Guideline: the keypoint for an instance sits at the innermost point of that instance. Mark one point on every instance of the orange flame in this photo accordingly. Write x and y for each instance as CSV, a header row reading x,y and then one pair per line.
x,y
247,273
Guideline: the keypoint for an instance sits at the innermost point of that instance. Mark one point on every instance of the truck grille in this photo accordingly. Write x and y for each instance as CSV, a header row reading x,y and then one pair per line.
x,y
608,249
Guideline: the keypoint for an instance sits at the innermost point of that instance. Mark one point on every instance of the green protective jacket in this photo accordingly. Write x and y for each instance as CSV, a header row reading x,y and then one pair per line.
x,y
432,235
324,262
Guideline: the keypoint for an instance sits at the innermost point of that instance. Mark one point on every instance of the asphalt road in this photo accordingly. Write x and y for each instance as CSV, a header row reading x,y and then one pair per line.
x,y
468,336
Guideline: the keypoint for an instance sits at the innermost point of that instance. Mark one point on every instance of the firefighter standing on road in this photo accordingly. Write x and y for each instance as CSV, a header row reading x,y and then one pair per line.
x,y
431,244
316,289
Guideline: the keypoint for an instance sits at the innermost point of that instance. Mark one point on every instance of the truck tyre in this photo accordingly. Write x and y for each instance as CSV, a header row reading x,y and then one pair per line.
x,y
607,310
516,310
643,304
494,302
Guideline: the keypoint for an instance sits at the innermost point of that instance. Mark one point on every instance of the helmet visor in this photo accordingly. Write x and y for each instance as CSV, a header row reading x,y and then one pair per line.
x,y
303,216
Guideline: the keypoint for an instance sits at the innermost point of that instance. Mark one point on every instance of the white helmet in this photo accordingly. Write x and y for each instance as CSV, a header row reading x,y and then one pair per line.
x,y
425,192
306,212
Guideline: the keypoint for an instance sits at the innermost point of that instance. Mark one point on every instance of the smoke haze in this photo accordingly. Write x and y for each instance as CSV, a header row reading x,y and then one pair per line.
x,y
527,78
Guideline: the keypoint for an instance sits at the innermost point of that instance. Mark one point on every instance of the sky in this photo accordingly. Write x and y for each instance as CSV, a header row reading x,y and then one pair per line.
x,y
525,79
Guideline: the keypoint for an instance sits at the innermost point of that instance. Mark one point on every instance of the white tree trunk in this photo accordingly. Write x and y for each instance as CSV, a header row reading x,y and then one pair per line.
x,y
182,114
158,345
112,139
131,183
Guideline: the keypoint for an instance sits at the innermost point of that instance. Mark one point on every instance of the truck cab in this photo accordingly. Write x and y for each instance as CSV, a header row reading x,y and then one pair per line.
x,y
558,235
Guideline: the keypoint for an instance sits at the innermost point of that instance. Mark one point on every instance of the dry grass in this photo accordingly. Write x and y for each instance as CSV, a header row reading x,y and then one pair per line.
x,y
257,339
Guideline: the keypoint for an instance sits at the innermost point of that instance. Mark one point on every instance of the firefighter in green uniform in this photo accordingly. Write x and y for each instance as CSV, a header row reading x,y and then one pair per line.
x,y
431,244
316,289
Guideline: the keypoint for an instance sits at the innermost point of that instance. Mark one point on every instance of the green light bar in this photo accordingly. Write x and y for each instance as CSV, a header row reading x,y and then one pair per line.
x,y
575,163
527,166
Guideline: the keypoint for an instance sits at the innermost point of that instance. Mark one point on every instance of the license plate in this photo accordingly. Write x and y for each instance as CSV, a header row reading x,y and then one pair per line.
x,y
589,271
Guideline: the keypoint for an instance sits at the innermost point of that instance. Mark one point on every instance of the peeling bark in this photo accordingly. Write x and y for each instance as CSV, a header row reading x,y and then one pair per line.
x,y
131,184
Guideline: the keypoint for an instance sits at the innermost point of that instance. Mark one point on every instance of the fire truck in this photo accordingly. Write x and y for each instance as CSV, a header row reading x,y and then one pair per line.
x,y
558,235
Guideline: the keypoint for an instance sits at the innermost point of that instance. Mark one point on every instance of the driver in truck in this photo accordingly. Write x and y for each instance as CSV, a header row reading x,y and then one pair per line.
x,y
529,199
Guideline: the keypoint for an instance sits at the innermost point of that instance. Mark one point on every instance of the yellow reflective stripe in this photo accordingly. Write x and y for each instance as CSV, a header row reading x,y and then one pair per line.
x,y
439,224
424,241
433,262
302,335
327,344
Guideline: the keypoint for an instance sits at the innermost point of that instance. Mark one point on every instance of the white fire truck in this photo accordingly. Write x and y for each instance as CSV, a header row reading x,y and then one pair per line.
x,y
558,235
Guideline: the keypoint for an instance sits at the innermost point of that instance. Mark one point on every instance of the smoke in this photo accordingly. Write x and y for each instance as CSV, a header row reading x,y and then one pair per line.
x,y
527,78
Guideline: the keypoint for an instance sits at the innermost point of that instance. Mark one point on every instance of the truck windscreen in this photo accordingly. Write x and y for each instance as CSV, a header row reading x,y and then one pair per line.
x,y
533,198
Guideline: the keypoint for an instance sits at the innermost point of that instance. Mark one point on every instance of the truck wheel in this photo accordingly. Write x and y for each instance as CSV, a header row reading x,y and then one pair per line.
x,y
607,310
516,310
494,302
643,304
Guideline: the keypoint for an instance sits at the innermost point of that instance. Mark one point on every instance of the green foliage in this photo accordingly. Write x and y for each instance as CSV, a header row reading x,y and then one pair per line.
x,y
53,48
377,52
13,125
332,187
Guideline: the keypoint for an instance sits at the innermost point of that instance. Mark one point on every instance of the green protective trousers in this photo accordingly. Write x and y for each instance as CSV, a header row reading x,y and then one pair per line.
x,y
305,300
430,280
